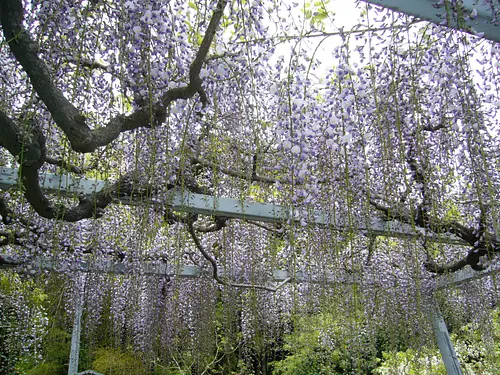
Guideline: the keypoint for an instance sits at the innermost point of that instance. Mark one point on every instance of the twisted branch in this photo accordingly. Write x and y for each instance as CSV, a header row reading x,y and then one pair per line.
x,y
71,121
215,271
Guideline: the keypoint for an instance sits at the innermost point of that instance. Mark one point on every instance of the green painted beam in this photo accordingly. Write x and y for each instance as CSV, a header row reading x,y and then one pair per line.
x,y
240,209
483,24
445,345
154,268
465,275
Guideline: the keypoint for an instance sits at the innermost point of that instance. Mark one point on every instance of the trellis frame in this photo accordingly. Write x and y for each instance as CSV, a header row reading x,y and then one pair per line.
x,y
483,24
186,201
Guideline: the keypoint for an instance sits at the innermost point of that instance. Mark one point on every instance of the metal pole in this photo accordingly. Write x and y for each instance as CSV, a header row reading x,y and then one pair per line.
x,y
445,345
75,338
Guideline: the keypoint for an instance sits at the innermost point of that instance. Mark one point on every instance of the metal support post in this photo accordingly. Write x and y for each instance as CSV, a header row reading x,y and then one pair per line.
x,y
75,338
445,345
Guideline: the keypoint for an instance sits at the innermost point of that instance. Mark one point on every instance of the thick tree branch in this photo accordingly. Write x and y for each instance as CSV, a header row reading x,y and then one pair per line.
x,y
433,267
25,51
63,164
27,146
64,113
196,65
88,207
480,247
436,225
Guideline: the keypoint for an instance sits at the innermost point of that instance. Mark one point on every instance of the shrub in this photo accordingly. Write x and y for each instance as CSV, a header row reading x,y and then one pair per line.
x,y
117,362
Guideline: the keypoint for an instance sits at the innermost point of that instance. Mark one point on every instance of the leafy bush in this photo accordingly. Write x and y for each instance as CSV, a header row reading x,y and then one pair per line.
x,y
117,362
411,362
321,344
47,368
23,321
56,346
473,352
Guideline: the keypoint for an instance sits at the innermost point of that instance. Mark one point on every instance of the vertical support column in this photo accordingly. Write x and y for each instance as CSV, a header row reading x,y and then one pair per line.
x,y
75,337
445,345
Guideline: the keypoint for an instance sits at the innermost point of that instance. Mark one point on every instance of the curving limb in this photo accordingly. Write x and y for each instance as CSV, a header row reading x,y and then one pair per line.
x,y
215,270
28,146
69,118
480,246
29,149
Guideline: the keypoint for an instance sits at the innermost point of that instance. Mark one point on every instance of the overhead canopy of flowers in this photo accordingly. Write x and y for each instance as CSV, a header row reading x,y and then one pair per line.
x,y
393,119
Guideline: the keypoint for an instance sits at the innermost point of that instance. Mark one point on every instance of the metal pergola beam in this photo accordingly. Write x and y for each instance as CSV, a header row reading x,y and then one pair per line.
x,y
210,205
242,209
157,268
427,10
465,275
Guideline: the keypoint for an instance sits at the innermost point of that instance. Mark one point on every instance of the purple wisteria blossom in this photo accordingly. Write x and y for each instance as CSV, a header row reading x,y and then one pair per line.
x,y
394,119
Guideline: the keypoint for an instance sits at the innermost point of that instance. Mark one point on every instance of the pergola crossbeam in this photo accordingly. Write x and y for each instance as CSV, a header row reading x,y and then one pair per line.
x,y
157,268
475,17
466,275
186,201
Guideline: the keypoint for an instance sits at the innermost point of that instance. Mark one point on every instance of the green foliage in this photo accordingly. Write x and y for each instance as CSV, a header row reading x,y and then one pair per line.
x,y
411,362
316,13
476,353
321,344
47,368
109,361
22,322
56,346
55,351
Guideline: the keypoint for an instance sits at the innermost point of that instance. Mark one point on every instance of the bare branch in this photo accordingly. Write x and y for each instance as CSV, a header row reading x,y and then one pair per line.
x,y
195,68
283,38
215,271
233,173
